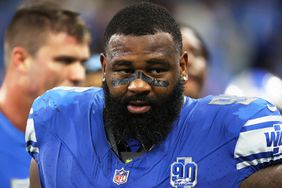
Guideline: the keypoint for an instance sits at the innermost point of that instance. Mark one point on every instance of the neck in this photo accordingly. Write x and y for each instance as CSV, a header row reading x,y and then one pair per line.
x,y
15,105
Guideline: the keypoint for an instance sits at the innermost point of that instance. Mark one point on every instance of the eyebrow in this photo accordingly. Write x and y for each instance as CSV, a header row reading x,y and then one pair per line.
x,y
161,62
151,62
69,58
121,63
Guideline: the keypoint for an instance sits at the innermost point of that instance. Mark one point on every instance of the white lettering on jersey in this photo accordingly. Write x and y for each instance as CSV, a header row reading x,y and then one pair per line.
x,y
229,99
259,142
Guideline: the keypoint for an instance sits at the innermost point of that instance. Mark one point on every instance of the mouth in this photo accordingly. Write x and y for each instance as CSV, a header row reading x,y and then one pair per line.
x,y
138,107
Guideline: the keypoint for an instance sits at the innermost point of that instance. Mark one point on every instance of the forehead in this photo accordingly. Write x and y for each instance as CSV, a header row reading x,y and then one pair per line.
x,y
159,44
62,43
60,39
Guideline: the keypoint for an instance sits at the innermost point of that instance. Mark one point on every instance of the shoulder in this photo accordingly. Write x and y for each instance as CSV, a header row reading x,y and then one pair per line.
x,y
258,126
236,116
65,102
233,107
65,96
254,124
236,104
58,110
229,115
61,98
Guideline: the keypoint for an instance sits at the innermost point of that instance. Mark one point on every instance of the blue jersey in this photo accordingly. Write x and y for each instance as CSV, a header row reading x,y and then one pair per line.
x,y
217,141
14,160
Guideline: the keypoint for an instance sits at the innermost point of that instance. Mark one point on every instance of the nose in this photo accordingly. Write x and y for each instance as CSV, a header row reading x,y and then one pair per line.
x,y
76,73
139,86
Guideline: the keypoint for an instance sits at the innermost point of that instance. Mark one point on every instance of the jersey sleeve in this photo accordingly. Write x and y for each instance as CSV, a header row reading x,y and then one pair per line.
x,y
259,142
40,112
30,137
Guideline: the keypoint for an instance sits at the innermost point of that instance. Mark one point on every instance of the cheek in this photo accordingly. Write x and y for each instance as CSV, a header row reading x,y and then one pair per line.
x,y
167,90
58,70
53,76
159,94
172,79
115,91
118,91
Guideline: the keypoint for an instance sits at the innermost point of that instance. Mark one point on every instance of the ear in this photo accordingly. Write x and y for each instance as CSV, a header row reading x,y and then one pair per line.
x,y
19,57
184,65
103,62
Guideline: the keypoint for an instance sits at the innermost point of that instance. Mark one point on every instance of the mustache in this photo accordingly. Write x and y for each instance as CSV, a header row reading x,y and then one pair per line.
x,y
138,97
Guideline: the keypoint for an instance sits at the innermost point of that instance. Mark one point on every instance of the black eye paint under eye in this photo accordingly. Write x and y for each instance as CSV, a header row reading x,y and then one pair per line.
x,y
142,76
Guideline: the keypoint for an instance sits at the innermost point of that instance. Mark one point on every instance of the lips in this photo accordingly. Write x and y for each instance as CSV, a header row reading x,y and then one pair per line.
x,y
138,107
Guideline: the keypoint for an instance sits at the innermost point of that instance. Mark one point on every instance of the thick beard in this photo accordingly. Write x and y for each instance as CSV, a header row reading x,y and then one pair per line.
x,y
150,128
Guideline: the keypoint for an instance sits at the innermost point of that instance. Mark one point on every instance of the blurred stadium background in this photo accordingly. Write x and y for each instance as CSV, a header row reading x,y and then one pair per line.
x,y
241,35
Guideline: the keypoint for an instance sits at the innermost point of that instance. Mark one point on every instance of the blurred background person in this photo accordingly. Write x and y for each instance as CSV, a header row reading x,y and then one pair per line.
x,y
257,83
198,57
93,75
45,47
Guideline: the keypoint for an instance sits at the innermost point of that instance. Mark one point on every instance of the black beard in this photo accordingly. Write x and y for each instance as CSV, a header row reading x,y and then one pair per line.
x,y
150,128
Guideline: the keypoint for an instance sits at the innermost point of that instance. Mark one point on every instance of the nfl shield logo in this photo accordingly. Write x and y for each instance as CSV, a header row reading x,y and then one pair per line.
x,y
120,176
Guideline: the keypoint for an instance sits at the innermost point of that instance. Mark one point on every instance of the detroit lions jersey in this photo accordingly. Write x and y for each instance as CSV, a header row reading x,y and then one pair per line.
x,y
14,160
217,141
